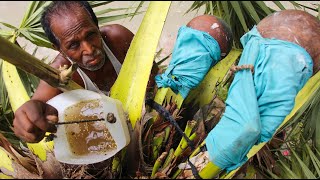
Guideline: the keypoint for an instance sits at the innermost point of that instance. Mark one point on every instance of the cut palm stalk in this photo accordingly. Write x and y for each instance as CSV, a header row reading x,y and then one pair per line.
x,y
206,88
156,144
197,150
169,158
176,174
184,144
209,171
158,163
189,127
203,93
166,94
167,133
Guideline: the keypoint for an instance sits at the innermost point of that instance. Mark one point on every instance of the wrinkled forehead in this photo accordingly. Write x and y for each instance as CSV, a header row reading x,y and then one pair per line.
x,y
66,22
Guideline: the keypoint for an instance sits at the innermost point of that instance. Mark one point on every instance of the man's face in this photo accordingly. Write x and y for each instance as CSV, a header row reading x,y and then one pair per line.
x,y
80,38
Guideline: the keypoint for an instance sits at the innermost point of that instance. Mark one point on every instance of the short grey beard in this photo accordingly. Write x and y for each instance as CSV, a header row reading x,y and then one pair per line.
x,y
103,61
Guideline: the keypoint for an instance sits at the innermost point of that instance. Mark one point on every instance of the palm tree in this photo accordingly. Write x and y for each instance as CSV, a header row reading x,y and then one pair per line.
x,y
302,138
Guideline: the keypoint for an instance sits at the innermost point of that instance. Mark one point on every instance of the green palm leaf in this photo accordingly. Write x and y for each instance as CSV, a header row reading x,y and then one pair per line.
x,y
289,173
307,173
105,19
95,4
137,9
237,8
104,11
278,3
8,25
315,159
248,5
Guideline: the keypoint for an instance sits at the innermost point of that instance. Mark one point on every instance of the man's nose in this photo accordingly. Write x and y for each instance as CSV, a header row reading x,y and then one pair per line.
x,y
87,48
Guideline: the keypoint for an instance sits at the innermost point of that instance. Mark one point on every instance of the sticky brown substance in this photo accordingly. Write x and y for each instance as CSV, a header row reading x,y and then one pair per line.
x,y
89,137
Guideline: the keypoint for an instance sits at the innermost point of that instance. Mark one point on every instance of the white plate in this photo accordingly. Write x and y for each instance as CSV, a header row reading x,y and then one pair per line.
x,y
118,130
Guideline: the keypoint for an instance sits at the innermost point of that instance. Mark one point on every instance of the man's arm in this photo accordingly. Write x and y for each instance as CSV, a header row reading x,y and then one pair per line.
x,y
31,120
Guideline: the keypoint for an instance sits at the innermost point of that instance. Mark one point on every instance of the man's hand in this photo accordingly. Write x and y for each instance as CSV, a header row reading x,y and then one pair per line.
x,y
31,121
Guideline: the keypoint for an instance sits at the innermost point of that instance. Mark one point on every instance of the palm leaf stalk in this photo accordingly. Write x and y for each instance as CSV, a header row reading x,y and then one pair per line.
x,y
174,154
23,60
158,163
157,144
183,142
139,60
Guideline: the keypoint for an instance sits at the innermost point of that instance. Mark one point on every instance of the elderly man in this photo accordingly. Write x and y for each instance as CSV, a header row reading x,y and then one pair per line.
x,y
72,27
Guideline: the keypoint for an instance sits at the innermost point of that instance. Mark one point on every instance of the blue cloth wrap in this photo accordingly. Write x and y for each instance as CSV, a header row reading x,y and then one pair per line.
x,y
258,103
195,52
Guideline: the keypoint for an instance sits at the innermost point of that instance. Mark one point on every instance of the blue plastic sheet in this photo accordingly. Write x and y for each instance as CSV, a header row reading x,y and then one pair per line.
x,y
194,53
258,103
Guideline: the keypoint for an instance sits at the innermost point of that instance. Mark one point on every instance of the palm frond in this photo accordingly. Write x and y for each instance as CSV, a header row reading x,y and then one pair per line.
x,y
278,3
8,25
95,4
242,15
105,19
137,9
7,34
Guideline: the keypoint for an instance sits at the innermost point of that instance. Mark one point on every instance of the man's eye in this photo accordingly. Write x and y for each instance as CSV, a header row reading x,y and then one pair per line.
x,y
91,35
74,45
